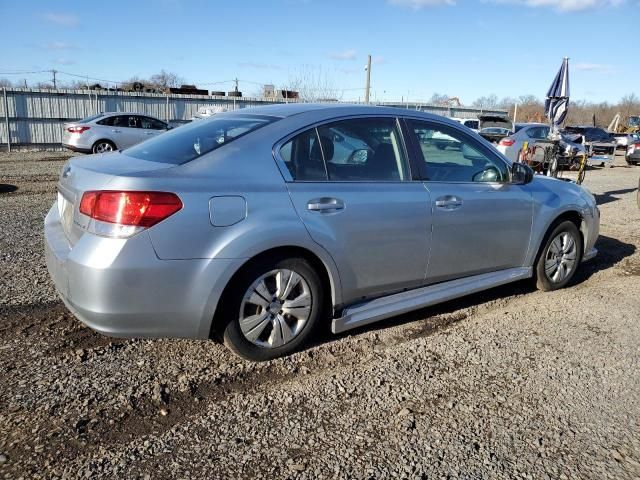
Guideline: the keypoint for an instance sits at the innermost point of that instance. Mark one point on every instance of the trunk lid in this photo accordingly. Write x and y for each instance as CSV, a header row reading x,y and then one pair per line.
x,y
94,172
495,121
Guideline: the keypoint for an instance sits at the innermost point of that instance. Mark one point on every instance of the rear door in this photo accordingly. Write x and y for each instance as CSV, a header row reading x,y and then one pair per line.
x,y
481,222
351,184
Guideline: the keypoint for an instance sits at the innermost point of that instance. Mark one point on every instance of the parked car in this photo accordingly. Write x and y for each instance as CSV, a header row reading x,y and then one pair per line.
x,y
494,127
633,151
260,226
470,123
600,144
623,140
533,133
208,111
106,132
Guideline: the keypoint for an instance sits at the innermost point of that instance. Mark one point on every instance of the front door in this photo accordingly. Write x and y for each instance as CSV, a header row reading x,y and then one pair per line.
x,y
481,222
351,185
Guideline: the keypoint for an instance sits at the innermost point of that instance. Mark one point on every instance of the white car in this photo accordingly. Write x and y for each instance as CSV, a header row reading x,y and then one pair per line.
x,y
524,132
470,123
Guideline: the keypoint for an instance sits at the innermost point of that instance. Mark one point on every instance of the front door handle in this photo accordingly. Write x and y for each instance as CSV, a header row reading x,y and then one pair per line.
x,y
148,133
115,130
326,205
449,202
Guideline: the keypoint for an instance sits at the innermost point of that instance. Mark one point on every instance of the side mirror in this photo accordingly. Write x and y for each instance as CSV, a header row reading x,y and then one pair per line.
x,y
169,127
521,174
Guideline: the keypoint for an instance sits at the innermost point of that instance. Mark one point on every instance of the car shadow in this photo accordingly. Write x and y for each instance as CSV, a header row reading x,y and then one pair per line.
x,y
608,197
611,251
7,188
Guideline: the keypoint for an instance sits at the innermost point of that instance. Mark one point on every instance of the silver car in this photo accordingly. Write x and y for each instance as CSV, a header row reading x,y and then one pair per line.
x,y
260,226
106,132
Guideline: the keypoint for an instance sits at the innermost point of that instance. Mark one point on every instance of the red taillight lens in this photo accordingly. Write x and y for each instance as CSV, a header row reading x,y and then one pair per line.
x,y
77,129
637,145
139,209
507,142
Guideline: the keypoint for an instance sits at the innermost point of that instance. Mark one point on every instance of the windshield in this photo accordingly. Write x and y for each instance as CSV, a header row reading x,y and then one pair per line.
x,y
191,141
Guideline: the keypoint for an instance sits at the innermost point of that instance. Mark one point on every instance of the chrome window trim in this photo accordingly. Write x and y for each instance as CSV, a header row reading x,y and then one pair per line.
x,y
282,166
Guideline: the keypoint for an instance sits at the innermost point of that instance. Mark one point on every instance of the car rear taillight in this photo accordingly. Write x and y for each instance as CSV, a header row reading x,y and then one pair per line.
x,y
128,209
507,142
77,129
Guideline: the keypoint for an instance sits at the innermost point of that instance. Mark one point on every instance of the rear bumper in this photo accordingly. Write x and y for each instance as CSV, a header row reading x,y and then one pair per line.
x,y
120,288
75,148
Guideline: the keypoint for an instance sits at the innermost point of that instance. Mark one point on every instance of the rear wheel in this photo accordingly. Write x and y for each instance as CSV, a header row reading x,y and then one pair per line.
x,y
103,146
559,258
272,308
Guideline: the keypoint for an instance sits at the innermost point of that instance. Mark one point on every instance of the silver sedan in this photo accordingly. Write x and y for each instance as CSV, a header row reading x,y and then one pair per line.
x,y
259,227
107,132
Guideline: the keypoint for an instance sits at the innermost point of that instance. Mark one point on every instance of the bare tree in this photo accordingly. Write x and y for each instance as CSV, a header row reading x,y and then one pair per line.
x,y
165,80
313,85
439,99
5,82
489,102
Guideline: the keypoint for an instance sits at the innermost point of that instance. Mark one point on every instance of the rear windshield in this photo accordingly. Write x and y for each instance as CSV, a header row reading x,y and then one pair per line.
x,y
195,139
91,118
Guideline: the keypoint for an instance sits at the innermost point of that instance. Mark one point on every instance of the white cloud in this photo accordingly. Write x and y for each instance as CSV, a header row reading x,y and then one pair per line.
x,y
592,67
63,19
564,5
57,46
349,54
420,4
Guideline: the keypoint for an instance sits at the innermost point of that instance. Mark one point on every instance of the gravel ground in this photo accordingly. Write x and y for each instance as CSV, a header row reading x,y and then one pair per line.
x,y
508,383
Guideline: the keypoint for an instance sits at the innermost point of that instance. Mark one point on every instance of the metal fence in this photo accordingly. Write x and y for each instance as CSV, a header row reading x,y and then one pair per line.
x,y
33,118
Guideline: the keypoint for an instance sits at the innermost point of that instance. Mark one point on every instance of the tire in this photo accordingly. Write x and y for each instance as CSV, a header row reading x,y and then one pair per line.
x,y
248,303
103,146
559,249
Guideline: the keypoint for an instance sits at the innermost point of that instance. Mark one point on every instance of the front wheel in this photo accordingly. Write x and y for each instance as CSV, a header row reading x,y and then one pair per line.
x,y
272,308
559,258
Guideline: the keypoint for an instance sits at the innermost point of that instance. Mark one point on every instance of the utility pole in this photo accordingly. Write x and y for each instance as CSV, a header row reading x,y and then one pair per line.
x,y
55,85
368,87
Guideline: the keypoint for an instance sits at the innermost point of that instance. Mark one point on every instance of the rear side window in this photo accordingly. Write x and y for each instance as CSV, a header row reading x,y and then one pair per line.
x,y
357,150
195,139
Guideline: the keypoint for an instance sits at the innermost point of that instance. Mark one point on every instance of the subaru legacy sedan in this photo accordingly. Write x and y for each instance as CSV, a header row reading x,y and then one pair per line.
x,y
259,227
106,132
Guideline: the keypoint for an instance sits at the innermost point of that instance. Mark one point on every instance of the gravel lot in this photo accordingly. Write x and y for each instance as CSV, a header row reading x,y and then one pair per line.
x,y
507,383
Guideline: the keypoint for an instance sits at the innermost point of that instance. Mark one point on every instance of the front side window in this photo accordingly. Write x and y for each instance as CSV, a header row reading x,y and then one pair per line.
x,y
450,156
152,124
195,139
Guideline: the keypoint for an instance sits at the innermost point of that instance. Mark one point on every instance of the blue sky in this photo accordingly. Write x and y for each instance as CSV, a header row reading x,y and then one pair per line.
x,y
464,48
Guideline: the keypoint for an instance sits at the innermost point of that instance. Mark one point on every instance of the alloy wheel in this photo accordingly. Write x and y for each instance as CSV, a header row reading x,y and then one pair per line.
x,y
561,257
103,147
275,308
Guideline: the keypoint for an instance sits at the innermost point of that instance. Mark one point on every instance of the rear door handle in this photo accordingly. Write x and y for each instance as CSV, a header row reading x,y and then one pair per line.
x,y
449,202
148,133
326,205
115,130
